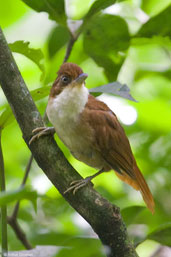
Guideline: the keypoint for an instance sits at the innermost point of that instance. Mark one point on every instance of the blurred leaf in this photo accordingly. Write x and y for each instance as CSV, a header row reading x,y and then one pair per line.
x,y
17,195
40,92
8,7
55,8
114,88
162,234
111,69
130,213
35,55
104,34
157,25
6,117
50,238
77,245
97,6
153,7
162,41
57,39
149,113
25,215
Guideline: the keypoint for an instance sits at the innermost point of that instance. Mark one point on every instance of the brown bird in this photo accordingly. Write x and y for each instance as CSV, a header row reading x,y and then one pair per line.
x,y
91,131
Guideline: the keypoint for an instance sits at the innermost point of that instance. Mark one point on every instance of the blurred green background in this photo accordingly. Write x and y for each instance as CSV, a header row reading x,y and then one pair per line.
x,y
142,60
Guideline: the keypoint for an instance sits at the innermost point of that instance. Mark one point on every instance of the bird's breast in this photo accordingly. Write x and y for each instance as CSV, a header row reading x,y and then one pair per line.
x,y
64,112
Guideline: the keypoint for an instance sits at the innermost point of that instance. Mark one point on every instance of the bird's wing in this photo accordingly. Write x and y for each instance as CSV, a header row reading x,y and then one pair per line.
x,y
112,143
110,138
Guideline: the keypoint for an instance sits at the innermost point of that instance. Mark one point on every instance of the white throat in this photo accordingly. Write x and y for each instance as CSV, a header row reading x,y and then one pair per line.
x,y
64,109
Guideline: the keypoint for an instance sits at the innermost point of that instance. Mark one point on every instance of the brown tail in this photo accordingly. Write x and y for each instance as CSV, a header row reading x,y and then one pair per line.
x,y
139,184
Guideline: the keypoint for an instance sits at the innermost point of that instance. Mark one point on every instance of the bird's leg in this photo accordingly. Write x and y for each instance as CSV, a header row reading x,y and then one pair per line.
x,y
41,131
77,184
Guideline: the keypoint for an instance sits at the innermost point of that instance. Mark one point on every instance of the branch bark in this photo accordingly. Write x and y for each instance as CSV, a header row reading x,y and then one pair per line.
x,y
104,218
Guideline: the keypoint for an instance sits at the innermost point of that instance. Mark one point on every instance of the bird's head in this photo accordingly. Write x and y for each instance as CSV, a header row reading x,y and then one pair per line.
x,y
69,75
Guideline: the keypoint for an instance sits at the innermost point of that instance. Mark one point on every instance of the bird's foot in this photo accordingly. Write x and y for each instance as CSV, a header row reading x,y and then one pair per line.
x,y
41,131
77,184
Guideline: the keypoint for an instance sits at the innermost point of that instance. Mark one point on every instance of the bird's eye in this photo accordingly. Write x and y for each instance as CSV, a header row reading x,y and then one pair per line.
x,y
65,80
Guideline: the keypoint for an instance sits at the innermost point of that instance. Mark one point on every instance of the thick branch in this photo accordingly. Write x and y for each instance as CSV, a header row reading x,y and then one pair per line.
x,y
104,217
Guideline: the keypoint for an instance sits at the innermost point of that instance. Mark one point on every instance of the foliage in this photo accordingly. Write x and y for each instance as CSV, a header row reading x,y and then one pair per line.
x,y
109,46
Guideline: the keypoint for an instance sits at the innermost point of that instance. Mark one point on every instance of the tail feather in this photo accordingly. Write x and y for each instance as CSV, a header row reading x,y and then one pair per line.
x,y
139,184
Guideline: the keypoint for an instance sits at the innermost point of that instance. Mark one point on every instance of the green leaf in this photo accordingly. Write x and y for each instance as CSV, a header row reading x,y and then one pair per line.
x,y
77,245
152,7
97,6
106,33
50,238
157,25
8,7
130,213
55,8
162,234
104,37
162,41
40,93
17,195
111,68
6,117
114,88
35,55
57,39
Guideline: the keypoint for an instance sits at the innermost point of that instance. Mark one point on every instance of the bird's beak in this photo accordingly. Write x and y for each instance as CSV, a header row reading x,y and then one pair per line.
x,y
80,79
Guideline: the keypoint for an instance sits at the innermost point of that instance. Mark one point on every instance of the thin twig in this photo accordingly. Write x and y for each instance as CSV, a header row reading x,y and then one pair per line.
x,y
12,220
4,236
19,232
69,48
28,167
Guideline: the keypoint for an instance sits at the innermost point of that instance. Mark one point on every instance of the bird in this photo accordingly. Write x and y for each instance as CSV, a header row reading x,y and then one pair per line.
x,y
91,131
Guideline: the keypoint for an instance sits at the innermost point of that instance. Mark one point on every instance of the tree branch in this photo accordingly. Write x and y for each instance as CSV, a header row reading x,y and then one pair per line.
x,y
19,232
12,220
28,167
69,48
104,217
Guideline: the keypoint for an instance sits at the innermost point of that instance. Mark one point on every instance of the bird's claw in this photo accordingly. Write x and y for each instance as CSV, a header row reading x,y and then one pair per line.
x,y
41,131
77,184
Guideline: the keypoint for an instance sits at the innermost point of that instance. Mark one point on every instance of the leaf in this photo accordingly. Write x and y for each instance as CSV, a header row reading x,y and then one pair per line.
x,y
97,6
114,88
35,55
152,7
77,245
111,68
40,92
13,16
51,238
162,41
17,195
104,36
6,117
57,39
55,9
162,234
130,213
106,33
157,25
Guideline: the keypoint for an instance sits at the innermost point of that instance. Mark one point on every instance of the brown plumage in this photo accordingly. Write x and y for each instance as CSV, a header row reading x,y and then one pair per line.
x,y
92,131
115,147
